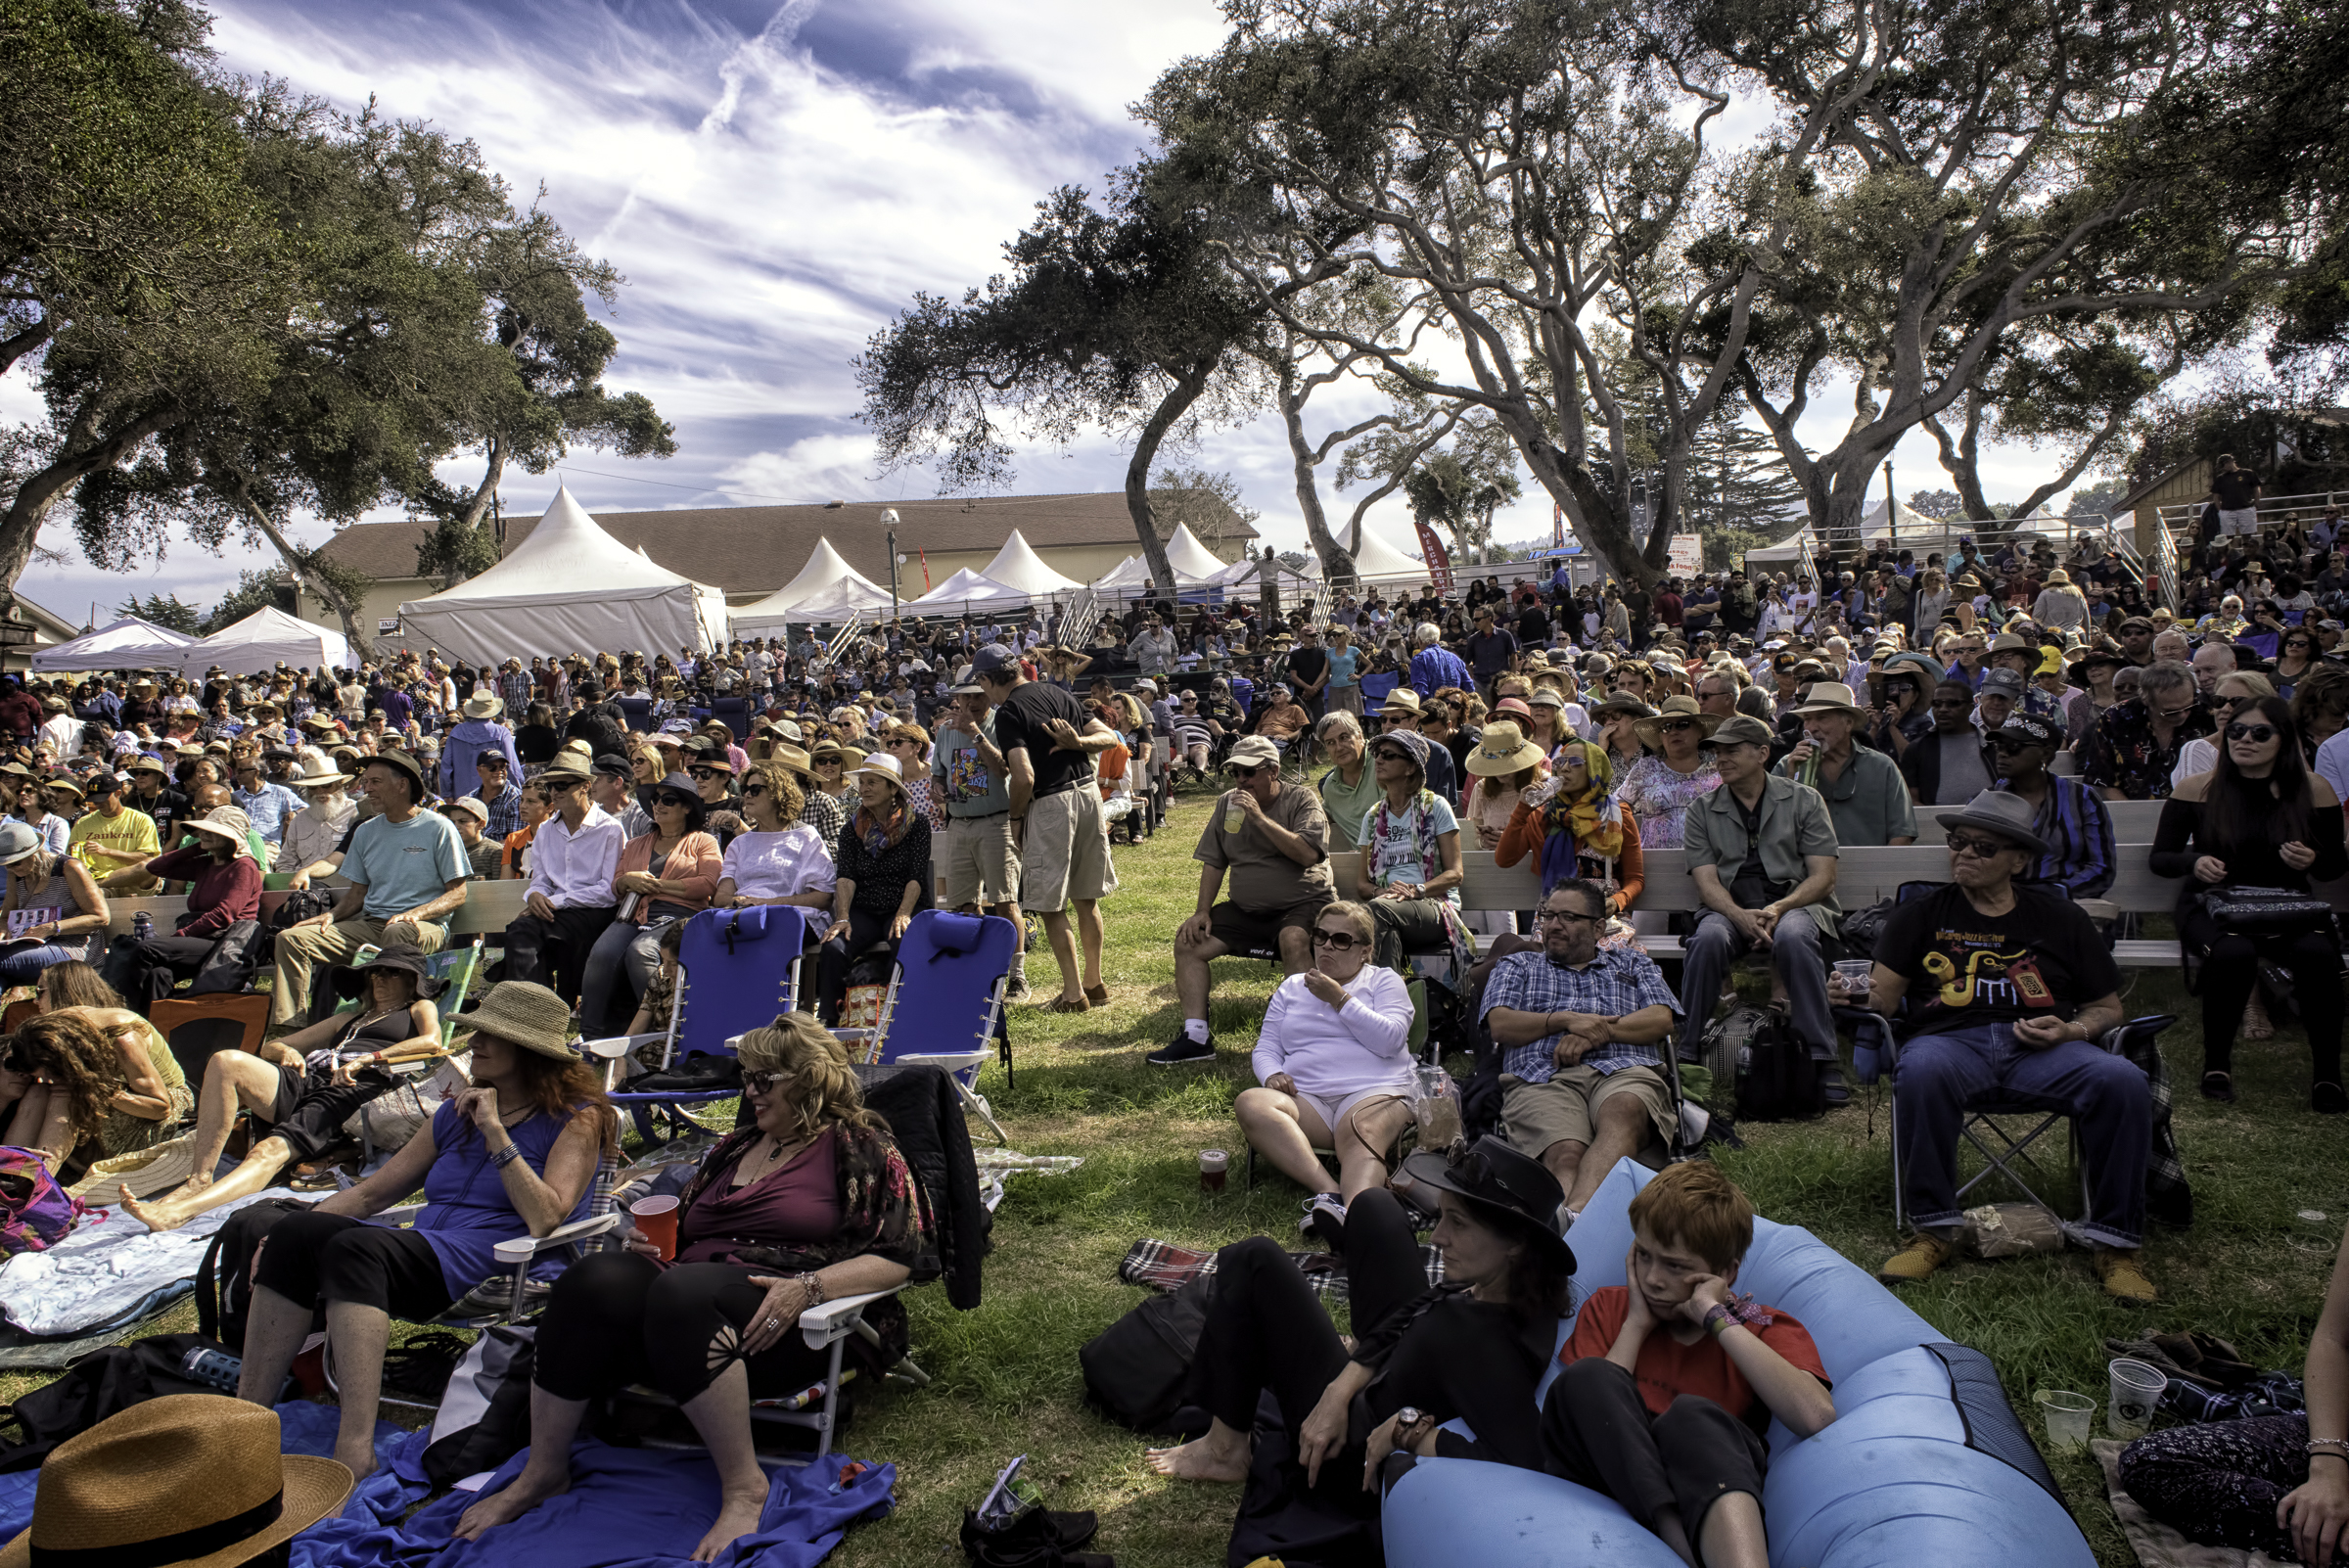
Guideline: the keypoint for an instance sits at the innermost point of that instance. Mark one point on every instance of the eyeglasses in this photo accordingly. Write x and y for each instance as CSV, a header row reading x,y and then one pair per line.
x,y
1970,844
1338,940
1245,771
2259,734
2173,713
1565,917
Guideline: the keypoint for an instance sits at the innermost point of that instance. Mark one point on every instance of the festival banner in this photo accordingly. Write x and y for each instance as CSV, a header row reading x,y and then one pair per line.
x,y
1438,564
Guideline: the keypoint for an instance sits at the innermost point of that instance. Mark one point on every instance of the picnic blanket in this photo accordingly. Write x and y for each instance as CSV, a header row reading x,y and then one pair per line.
x,y
104,1271
1164,1266
2155,1544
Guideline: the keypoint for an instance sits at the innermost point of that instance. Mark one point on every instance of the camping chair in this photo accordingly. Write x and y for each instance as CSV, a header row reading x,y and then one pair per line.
x,y
951,973
737,970
454,968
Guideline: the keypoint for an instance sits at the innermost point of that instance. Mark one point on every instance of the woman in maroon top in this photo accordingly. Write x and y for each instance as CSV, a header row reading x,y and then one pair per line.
x,y
224,887
810,1203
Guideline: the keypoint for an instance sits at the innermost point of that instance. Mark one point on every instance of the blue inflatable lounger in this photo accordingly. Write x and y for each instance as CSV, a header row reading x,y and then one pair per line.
x,y
1925,1466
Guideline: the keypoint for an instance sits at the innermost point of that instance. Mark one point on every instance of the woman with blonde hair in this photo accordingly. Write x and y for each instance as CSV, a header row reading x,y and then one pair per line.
x,y
1928,605
811,1202
778,859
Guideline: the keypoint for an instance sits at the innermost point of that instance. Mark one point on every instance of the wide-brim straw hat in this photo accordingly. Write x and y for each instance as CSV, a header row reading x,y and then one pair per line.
x,y
525,1015
184,1481
224,821
1622,701
793,758
317,781
1650,730
1501,750
1831,696
482,706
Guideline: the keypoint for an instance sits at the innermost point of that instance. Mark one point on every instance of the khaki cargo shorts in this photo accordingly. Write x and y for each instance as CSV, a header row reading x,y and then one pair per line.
x,y
1064,856
1565,1110
982,866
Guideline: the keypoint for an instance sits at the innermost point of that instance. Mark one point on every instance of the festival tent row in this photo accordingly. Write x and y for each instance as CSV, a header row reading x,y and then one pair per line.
x,y
568,587
260,642
125,644
827,588
1019,568
966,590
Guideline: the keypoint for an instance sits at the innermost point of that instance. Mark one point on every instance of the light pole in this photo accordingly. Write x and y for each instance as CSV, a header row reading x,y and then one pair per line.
x,y
889,519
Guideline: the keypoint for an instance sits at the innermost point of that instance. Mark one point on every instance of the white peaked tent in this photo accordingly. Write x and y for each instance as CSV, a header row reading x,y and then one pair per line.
x,y
1017,565
1192,561
1248,574
851,596
1130,575
125,644
260,641
1374,558
569,587
965,587
827,576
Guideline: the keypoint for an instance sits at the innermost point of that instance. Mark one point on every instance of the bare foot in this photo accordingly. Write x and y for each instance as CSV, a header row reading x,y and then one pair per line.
x,y
360,1460
197,1182
522,1494
159,1215
1201,1459
737,1516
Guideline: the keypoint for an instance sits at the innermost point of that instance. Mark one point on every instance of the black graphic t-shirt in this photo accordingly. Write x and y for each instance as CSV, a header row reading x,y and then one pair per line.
x,y
2041,959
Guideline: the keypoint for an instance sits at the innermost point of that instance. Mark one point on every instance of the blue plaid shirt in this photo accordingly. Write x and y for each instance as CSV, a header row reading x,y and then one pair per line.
x,y
505,811
268,807
1619,981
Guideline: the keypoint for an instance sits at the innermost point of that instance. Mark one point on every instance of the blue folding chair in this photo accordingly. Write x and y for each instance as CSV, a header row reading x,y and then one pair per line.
x,y
737,970
944,1003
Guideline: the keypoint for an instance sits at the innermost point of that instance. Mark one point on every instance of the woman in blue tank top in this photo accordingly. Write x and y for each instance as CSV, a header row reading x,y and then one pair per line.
x,y
514,1155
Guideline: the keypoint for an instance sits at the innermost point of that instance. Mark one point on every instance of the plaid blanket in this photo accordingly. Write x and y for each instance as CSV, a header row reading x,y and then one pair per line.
x,y
1164,1266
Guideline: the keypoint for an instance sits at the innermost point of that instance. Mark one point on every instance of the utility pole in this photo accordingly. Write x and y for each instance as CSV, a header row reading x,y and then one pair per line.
x,y
1891,511
889,519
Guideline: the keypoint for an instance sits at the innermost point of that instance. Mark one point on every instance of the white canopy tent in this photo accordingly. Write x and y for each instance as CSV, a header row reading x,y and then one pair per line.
x,y
1242,574
569,587
827,576
1376,560
260,642
1192,561
851,596
1017,565
963,590
125,644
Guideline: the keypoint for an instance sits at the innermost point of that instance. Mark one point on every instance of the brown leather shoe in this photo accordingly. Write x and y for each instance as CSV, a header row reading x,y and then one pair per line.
x,y
2124,1278
1068,1005
1098,996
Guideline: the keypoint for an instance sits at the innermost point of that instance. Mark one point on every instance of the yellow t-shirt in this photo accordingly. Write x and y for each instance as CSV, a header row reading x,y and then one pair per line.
x,y
130,831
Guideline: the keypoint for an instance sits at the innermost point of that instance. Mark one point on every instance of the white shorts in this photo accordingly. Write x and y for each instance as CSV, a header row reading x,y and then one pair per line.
x,y
2246,521
1333,1110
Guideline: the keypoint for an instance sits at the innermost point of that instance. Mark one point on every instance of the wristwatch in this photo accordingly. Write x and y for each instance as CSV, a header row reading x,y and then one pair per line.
x,y
1408,1422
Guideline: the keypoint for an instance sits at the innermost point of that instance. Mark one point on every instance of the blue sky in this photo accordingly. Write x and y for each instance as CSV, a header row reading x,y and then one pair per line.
x,y
775,180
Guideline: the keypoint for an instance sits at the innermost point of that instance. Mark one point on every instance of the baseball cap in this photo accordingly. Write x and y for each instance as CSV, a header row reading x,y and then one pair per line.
x,y
1255,750
2031,727
993,659
2003,683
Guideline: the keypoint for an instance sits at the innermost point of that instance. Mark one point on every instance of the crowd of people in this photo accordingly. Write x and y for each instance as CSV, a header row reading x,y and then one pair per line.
x,y
1757,726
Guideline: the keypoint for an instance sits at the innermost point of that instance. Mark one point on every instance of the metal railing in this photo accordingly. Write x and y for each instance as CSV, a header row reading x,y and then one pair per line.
x,y
2184,518
840,638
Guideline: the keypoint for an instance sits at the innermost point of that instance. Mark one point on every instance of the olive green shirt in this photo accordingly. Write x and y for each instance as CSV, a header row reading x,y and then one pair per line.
x,y
1795,825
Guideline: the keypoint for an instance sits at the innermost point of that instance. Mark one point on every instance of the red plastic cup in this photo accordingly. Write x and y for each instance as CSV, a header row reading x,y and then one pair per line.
x,y
656,1218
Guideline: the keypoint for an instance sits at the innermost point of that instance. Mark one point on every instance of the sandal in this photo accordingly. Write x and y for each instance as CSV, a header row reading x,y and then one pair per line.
x,y
1068,1005
2218,1085
1097,996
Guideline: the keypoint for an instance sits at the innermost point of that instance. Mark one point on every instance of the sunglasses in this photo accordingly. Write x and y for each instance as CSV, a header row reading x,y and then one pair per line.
x,y
1951,702
1245,772
681,801
2259,733
2012,743
1970,844
753,791
2173,713
1338,940
764,1083
1672,726
1565,917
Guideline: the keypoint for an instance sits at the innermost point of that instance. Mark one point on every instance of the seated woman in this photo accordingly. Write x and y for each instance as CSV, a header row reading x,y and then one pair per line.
x,y
304,1086
1334,1059
810,1203
780,859
224,887
1574,827
2274,1483
883,862
97,1082
1671,1381
1410,868
55,913
666,874
2261,820
514,1155
1471,1349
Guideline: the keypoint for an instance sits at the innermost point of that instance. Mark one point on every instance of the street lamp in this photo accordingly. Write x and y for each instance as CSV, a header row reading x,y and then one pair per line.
x,y
889,519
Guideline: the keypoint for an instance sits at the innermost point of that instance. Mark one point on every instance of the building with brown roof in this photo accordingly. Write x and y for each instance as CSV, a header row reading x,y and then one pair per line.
x,y
750,552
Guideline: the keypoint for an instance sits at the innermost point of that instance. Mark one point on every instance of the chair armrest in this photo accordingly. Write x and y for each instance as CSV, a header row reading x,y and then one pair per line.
x,y
854,1034
617,1045
829,1320
522,1248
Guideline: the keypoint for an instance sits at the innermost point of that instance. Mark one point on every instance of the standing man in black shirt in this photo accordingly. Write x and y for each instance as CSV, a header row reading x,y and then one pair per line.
x,y
1308,670
1049,742
1533,623
2234,491
1492,652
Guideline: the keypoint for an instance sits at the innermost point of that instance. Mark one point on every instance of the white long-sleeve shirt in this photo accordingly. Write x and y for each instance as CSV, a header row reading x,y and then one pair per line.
x,y
776,866
1332,1052
575,870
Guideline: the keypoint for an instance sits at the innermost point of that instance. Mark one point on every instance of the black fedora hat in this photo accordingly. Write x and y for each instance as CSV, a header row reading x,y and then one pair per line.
x,y
1492,1173
351,979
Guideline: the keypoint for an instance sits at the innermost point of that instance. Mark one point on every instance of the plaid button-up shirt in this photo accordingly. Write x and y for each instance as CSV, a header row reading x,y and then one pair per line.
x,y
1617,982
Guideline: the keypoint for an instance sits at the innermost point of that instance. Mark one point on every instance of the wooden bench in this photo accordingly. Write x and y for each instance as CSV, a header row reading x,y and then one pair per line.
x,y
488,908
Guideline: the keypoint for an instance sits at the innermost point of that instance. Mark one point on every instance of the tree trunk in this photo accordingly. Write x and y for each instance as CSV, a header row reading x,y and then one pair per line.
x,y
1179,397
297,562
478,503
84,455
1336,564
1590,511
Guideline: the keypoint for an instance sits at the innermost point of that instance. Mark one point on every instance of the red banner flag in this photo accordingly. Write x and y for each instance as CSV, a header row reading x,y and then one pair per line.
x,y
1438,564
925,555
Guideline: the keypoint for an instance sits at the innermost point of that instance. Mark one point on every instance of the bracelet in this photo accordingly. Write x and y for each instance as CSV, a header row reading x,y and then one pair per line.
x,y
1719,1319
506,1156
2338,1446
815,1287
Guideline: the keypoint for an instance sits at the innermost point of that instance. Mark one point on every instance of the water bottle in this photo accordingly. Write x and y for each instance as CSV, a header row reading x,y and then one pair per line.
x,y
216,1367
142,925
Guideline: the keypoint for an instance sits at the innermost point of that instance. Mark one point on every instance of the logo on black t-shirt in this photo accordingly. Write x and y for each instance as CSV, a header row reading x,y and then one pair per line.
x,y
1990,978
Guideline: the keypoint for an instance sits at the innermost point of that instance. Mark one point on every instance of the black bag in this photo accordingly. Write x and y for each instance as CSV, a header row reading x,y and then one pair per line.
x,y
1778,1078
692,1074
1304,1526
1137,1370
2266,911
99,1385
229,967
223,1283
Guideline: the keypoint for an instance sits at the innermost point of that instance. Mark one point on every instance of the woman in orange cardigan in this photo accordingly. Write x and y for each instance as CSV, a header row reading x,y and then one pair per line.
x,y
1572,824
690,865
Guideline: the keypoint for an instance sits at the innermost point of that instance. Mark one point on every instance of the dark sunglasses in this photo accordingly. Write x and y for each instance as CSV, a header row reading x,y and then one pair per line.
x,y
1672,726
2261,733
710,772
751,791
764,1083
671,797
1952,702
1243,771
1971,844
2012,743
1338,940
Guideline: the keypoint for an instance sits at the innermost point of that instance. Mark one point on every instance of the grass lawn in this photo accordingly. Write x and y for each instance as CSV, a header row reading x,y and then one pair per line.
x,y
1006,1378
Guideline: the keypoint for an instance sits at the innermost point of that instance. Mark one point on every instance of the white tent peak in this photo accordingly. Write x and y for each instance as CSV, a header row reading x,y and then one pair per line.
x,y
1374,557
827,583
966,588
1190,558
1018,565
261,641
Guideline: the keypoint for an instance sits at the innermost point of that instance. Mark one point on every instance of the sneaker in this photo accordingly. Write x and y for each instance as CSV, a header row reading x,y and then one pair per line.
x,y
2124,1276
1324,1220
1183,1050
1915,1261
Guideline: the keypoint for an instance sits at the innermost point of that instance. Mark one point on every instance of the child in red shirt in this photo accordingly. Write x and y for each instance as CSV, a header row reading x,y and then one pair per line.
x,y
1670,1383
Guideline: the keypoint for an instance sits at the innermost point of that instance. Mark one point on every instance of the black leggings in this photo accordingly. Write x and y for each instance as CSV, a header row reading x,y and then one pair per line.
x,y
1265,1330
312,1259
2230,969
617,1318
1596,1432
2218,1484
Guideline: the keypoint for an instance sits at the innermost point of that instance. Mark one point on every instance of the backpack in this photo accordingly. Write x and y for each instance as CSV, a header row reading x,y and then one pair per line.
x,y
99,1385
35,1213
1138,1369
1778,1078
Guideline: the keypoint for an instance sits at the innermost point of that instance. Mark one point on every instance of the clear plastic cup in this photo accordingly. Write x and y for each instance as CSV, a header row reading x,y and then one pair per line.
x,y
2135,1391
1854,972
1215,1166
2068,1417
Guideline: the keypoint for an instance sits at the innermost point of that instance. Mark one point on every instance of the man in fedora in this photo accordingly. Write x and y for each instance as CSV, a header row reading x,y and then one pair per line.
x,y
407,869
574,857
2012,990
480,732
1865,794
1762,850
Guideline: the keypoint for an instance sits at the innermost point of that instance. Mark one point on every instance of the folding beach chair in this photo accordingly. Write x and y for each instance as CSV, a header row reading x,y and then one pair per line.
x,y
737,970
944,1003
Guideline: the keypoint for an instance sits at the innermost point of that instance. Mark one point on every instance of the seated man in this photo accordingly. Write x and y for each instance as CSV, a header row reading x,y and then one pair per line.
x,y
2069,817
1278,860
1669,1379
574,858
1762,852
1582,1031
2014,989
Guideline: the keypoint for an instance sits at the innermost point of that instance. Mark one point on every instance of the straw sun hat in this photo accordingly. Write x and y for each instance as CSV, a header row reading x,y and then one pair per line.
x,y
524,1014
1501,750
1650,729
